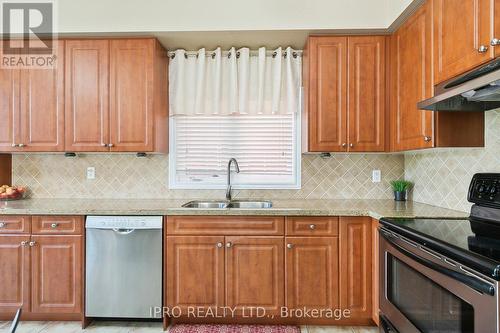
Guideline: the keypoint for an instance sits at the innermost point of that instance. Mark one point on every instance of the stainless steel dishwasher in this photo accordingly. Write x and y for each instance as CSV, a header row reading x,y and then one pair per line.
x,y
123,266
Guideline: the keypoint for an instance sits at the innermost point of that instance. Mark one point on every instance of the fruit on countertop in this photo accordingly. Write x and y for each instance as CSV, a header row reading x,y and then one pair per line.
x,y
12,192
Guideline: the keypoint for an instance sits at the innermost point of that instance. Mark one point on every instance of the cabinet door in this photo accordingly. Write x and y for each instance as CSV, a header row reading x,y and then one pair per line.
x,y
312,272
356,260
9,110
56,265
366,105
42,106
327,94
255,274
86,92
14,273
195,271
131,95
461,29
496,30
412,82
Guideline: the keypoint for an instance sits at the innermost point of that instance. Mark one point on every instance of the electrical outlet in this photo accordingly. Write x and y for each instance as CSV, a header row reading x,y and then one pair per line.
x,y
90,173
376,176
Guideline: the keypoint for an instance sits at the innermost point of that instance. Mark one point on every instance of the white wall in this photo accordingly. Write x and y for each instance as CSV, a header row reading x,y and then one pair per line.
x,y
86,16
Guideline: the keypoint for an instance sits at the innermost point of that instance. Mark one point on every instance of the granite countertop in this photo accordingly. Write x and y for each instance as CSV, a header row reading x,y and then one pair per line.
x,y
373,208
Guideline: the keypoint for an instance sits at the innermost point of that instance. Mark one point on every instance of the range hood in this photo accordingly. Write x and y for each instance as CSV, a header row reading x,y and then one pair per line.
x,y
476,90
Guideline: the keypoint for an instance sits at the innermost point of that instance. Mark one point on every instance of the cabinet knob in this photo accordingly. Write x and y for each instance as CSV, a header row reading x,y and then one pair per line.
x,y
21,145
54,225
289,246
351,145
110,145
482,49
229,244
219,244
495,42
23,243
344,145
32,243
14,145
427,138
2,224
104,144
312,226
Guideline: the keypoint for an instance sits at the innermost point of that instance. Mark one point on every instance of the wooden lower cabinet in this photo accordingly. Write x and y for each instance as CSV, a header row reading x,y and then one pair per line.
x,y
255,273
56,279
356,266
195,271
312,272
14,273
41,273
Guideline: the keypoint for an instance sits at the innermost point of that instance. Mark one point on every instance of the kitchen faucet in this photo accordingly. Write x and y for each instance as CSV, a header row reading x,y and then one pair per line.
x,y
228,190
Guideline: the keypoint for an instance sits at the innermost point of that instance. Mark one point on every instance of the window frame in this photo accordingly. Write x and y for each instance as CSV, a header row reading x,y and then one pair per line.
x,y
174,185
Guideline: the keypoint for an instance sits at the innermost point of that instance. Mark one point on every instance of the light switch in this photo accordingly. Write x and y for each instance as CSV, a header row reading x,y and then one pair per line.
x,y
376,176
90,173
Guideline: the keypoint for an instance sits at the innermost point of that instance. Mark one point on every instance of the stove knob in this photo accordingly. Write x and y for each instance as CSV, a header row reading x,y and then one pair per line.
x,y
481,189
493,190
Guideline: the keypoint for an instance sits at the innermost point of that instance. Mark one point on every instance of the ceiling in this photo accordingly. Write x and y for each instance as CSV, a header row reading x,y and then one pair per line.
x,y
192,24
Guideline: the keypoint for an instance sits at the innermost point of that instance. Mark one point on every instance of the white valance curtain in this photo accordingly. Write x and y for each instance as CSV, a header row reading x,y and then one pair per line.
x,y
239,82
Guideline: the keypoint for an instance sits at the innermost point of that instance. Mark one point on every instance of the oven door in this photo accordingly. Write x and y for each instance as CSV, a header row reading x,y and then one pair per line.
x,y
421,292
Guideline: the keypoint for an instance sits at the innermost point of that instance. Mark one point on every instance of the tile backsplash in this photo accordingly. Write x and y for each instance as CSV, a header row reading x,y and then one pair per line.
x,y
341,176
442,176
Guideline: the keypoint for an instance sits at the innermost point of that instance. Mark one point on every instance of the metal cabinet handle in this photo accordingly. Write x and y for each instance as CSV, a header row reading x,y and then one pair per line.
x,y
289,245
312,226
2,224
15,145
32,243
427,138
344,145
23,243
495,42
229,244
110,145
21,145
351,145
219,244
54,225
104,144
482,49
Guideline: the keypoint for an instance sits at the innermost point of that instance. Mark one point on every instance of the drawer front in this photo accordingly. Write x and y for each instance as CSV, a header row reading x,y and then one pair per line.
x,y
225,225
65,225
14,224
312,226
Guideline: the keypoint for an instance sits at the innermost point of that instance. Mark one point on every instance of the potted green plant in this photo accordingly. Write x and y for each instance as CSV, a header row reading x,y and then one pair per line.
x,y
400,188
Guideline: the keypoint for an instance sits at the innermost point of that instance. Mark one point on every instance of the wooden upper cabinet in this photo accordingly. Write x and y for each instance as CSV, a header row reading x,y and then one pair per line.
x,y
56,281
325,80
131,95
9,110
366,93
86,92
312,272
462,36
356,266
411,82
42,106
14,273
255,273
195,271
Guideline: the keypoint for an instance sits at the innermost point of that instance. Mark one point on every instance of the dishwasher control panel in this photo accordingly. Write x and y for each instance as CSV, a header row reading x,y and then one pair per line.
x,y
124,222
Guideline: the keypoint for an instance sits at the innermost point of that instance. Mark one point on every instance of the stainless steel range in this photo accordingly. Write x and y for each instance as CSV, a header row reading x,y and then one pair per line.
x,y
442,275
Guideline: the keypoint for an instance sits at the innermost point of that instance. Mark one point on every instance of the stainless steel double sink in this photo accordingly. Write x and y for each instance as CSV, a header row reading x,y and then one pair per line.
x,y
242,204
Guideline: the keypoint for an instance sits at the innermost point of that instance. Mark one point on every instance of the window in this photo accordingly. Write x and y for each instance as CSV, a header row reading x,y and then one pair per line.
x,y
237,104
266,148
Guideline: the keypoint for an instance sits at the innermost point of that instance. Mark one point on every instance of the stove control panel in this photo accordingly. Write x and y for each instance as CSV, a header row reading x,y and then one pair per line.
x,y
484,189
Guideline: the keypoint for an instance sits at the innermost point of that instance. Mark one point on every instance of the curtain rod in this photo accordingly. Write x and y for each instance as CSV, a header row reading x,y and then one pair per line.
x,y
253,53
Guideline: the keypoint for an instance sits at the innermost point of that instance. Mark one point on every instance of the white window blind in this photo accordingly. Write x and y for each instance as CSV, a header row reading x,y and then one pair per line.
x,y
265,147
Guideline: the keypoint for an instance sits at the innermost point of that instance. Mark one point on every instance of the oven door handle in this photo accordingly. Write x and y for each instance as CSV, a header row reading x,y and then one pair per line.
x,y
470,281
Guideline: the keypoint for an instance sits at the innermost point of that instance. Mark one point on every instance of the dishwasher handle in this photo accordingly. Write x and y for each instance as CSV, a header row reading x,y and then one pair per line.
x,y
121,231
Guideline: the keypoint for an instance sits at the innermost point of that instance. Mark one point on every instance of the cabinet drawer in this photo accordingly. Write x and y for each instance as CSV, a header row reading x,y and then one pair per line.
x,y
312,226
225,225
67,225
14,224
